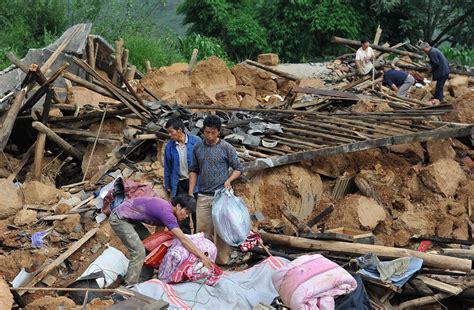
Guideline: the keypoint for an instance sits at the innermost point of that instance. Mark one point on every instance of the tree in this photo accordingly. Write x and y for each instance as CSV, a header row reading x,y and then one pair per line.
x,y
232,22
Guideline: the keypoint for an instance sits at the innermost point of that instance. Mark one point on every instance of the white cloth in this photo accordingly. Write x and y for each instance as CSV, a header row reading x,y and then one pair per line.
x,y
183,161
365,57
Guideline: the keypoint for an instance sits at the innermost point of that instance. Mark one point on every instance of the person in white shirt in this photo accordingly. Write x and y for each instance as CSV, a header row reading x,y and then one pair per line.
x,y
364,57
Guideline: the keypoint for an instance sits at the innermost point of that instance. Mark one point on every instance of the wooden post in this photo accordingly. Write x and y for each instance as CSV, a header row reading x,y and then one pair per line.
x,y
148,65
118,60
433,260
124,61
130,75
10,118
423,301
378,33
63,144
90,55
41,138
192,61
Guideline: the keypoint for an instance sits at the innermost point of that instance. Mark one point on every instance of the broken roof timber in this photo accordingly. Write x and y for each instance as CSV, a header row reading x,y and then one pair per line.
x,y
435,134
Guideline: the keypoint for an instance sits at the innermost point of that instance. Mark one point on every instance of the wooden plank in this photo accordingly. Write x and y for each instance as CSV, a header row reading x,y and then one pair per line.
x,y
433,260
63,144
324,92
436,134
10,117
441,286
86,133
302,227
423,301
45,67
46,269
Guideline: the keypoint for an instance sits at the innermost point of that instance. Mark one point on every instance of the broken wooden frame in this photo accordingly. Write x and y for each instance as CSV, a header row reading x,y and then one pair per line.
x,y
439,133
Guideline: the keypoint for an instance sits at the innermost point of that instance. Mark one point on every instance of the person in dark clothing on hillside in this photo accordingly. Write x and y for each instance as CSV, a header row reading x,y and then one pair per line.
x,y
439,68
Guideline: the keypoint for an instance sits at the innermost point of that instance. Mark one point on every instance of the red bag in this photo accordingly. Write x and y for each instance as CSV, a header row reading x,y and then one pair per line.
x,y
154,240
156,256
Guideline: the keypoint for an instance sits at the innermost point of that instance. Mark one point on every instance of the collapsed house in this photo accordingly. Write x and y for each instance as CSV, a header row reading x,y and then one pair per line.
x,y
332,165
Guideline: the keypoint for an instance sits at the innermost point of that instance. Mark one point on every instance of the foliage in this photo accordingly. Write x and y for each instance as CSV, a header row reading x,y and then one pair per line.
x,y
460,56
29,24
232,22
207,47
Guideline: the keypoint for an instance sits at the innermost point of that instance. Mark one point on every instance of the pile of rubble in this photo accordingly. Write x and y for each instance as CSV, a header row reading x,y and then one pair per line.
x,y
328,159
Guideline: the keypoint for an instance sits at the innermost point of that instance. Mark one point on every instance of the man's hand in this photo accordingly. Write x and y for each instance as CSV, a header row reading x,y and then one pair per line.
x,y
207,262
227,184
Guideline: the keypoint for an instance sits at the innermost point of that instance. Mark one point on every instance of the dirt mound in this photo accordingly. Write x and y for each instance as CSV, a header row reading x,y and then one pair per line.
x,y
458,86
39,193
312,82
440,149
173,68
10,199
260,80
249,102
368,106
227,98
70,224
443,176
6,297
191,95
462,110
293,186
213,76
25,217
49,302
356,211
413,152
81,96
162,84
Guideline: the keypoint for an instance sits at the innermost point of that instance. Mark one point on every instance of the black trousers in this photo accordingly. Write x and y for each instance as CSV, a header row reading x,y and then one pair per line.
x,y
185,225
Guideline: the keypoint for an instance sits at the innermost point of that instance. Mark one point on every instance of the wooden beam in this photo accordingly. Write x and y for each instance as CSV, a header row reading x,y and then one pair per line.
x,y
22,163
43,89
339,40
433,260
45,67
10,118
285,75
112,88
435,134
45,270
63,144
91,86
440,286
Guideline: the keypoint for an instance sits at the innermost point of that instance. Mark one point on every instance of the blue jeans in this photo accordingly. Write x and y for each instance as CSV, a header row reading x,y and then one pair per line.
x,y
439,87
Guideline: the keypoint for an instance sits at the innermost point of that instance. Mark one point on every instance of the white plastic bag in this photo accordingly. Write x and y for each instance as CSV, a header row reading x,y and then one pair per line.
x,y
230,217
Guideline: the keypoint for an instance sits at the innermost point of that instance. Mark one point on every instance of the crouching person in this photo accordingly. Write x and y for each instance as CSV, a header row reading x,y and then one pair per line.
x,y
126,221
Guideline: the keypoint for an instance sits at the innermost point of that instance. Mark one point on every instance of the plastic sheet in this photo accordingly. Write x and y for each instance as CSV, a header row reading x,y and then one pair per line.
x,y
230,217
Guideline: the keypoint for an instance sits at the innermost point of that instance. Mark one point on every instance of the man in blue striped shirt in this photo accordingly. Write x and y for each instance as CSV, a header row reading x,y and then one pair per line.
x,y
212,160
